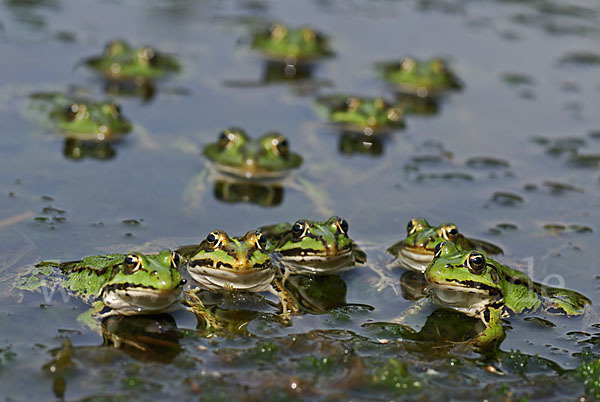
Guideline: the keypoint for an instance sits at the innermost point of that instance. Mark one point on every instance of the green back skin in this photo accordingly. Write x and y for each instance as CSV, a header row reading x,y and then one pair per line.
x,y
291,45
455,269
83,118
89,277
219,251
422,238
121,61
236,154
306,238
359,113
420,77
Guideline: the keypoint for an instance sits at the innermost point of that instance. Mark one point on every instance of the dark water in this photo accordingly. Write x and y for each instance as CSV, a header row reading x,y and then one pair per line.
x,y
511,158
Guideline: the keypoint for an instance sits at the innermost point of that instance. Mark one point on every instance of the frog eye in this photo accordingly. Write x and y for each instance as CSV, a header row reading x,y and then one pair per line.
x,y
475,263
308,34
411,227
407,64
278,31
132,263
261,240
450,232
146,55
75,111
228,137
352,103
213,239
438,249
281,144
342,225
299,229
175,259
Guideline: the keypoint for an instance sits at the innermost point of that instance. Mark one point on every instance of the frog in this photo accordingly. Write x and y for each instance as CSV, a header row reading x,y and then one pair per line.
x,y
118,284
420,78
291,46
245,163
123,62
472,283
82,118
313,247
361,114
221,263
416,251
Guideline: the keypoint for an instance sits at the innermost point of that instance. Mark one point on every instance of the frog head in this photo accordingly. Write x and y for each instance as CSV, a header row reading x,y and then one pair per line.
x,y
362,114
120,61
144,284
89,120
267,157
291,45
221,262
420,78
467,281
417,250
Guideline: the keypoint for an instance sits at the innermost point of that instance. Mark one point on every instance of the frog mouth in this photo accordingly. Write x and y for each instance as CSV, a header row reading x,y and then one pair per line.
x,y
414,258
470,300
317,264
128,300
254,173
218,279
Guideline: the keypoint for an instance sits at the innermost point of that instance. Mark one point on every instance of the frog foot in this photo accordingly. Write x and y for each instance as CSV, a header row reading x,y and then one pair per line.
x,y
194,305
288,307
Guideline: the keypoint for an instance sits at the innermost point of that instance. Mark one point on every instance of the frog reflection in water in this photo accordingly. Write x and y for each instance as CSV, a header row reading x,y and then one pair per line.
x,y
81,118
130,284
472,283
357,143
77,150
416,251
226,264
314,247
361,114
132,71
251,170
419,78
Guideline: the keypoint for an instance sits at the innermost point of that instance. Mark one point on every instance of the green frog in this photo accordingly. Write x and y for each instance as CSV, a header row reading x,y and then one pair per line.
x,y
420,78
313,247
251,170
125,284
361,114
416,251
223,263
291,46
82,118
123,62
472,283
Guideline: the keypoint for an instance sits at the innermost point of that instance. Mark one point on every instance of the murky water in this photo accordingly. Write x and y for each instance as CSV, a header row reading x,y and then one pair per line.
x,y
512,158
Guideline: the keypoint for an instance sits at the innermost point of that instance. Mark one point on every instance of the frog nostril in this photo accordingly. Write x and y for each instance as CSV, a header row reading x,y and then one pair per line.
x,y
154,273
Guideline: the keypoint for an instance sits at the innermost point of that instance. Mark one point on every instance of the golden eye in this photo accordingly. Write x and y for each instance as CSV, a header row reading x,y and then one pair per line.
x,y
476,263
175,259
146,55
228,137
261,240
278,31
438,249
299,229
342,225
214,239
352,103
450,232
308,34
407,64
411,227
75,111
132,263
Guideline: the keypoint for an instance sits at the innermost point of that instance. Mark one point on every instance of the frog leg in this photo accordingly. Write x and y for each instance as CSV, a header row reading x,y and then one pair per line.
x,y
194,305
91,318
493,332
283,295
416,315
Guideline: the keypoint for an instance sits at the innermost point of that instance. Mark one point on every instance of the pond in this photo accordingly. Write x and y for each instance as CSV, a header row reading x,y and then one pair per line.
x,y
512,157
